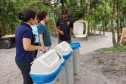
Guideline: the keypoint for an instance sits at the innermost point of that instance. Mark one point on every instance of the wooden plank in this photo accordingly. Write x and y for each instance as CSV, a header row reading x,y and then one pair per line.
x,y
8,36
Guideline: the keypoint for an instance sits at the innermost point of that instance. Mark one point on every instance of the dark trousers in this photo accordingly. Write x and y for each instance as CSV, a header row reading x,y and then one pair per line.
x,y
25,69
69,41
36,51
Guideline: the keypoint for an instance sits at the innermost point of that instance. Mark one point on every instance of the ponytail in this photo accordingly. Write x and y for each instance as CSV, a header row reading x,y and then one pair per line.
x,y
20,16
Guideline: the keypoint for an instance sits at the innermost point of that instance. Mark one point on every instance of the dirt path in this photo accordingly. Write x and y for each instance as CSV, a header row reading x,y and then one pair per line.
x,y
89,73
10,74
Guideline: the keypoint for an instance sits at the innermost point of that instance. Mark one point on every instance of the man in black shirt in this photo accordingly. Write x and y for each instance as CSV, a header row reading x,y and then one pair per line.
x,y
65,24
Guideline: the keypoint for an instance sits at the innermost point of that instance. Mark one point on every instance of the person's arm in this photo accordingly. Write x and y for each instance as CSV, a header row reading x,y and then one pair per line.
x,y
41,31
42,42
59,31
27,36
56,27
27,45
71,25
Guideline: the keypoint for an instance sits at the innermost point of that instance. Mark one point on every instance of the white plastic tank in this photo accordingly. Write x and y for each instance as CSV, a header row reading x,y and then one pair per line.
x,y
49,69
76,57
79,28
66,51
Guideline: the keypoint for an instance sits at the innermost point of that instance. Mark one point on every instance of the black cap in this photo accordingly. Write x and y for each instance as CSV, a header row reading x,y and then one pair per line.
x,y
64,12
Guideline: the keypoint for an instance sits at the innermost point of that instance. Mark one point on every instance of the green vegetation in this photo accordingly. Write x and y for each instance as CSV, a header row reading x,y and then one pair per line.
x,y
76,79
100,61
103,15
113,58
116,48
108,69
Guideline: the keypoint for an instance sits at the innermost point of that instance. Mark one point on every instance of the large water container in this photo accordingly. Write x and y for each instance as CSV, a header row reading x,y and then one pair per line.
x,y
66,51
49,69
76,57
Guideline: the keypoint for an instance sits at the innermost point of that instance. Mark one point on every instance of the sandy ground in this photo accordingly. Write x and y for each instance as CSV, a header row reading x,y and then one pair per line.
x,y
10,74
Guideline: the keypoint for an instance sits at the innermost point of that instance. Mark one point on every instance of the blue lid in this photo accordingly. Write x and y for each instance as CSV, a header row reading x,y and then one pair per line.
x,y
38,79
66,57
75,45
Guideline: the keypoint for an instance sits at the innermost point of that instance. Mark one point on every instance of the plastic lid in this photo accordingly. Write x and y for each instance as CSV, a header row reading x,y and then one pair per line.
x,y
64,49
75,45
66,57
37,78
47,63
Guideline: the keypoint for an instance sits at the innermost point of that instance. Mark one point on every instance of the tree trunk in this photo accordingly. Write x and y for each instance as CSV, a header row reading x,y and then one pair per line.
x,y
91,27
118,27
8,17
81,2
49,3
103,28
112,24
2,27
104,23
29,2
88,10
49,29
54,17
94,27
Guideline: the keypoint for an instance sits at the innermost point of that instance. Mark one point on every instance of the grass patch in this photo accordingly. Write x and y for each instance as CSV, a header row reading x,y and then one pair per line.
x,y
108,69
113,58
100,61
116,48
76,79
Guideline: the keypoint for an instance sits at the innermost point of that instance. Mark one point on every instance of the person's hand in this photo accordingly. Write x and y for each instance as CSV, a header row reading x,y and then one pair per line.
x,y
44,49
35,35
61,32
40,48
34,58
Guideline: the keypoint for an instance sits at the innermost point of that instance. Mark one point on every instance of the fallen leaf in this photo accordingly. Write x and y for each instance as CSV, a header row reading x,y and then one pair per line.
x,y
123,67
117,60
76,79
118,74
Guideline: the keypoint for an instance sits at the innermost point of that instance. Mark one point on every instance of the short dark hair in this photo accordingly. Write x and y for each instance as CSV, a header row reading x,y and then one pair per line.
x,y
26,15
41,15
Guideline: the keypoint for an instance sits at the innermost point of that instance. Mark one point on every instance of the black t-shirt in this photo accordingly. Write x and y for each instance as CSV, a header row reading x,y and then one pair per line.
x,y
65,26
